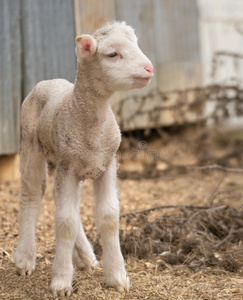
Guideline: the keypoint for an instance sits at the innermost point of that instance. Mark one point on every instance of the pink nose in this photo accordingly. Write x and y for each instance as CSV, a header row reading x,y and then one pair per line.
x,y
149,69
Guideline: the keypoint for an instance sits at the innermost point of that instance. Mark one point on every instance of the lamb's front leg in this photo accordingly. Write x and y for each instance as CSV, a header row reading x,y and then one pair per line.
x,y
66,223
107,222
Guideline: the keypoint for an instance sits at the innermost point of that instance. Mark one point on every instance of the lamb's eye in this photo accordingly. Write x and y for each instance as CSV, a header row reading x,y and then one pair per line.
x,y
113,54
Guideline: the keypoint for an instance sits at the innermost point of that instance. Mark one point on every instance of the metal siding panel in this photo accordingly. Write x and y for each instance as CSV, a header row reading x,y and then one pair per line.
x,y
16,68
10,76
177,44
178,55
32,69
48,41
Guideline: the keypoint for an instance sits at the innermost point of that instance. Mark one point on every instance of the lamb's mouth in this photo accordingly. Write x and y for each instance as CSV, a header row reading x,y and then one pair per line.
x,y
144,80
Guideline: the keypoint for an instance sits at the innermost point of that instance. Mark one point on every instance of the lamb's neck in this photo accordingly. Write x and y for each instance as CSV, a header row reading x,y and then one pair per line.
x,y
89,81
90,98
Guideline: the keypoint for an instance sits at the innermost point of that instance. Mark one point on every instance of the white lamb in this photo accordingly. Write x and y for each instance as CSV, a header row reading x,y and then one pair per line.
x,y
71,128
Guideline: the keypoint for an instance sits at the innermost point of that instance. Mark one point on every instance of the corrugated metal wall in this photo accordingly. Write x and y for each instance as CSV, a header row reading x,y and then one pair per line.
x,y
10,76
48,41
36,43
177,44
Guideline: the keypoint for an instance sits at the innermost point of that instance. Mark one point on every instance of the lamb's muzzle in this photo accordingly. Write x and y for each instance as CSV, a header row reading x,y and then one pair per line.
x,y
72,129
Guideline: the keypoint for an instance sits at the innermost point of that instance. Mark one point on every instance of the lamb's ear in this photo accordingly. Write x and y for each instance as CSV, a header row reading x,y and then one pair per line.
x,y
86,46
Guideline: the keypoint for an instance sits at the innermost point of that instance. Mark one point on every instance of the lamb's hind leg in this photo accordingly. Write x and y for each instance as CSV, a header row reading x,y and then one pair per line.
x,y
107,222
83,255
33,182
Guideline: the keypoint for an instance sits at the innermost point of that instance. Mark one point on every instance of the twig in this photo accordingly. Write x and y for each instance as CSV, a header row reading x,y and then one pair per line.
x,y
212,196
211,209
163,207
229,235
216,167
205,234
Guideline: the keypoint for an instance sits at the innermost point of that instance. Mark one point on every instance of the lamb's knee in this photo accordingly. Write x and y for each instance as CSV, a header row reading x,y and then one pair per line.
x,y
108,222
67,227
34,182
30,199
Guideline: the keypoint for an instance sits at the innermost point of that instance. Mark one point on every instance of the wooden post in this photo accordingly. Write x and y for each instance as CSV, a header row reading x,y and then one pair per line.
x,y
9,167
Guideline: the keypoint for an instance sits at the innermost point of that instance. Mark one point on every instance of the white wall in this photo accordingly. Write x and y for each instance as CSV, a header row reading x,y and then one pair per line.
x,y
221,30
221,42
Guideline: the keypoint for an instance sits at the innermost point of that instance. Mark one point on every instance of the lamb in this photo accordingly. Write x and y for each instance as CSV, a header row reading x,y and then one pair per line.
x,y
71,129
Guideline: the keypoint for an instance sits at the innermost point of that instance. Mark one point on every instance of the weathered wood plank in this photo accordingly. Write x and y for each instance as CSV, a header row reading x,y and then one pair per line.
x,y
92,14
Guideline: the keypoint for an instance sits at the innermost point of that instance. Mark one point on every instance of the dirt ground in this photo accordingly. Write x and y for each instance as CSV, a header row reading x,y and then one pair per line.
x,y
147,183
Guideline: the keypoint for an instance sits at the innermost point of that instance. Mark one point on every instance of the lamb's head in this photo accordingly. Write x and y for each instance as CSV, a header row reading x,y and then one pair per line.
x,y
114,51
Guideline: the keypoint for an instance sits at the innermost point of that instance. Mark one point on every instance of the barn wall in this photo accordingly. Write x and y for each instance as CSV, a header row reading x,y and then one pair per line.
x,y
37,43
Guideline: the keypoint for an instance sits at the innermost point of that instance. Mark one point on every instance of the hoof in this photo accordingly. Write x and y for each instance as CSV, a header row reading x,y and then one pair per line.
x,y
24,272
121,287
63,293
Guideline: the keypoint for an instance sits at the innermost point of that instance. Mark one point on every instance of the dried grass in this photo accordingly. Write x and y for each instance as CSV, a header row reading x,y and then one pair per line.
x,y
193,236
187,250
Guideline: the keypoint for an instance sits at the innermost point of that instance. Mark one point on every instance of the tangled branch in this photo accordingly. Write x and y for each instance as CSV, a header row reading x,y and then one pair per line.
x,y
196,236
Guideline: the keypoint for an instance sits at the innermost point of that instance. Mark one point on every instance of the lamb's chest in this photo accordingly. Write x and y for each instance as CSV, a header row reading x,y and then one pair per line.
x,y
92,164
95,158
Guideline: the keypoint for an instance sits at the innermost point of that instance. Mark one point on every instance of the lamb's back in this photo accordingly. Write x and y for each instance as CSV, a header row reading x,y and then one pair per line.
x,y
43,100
